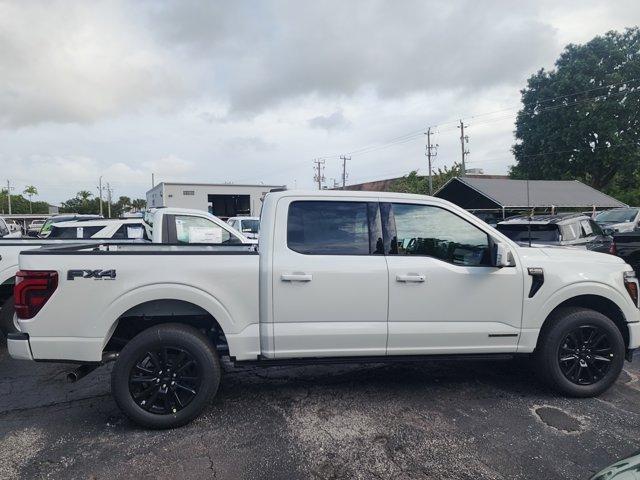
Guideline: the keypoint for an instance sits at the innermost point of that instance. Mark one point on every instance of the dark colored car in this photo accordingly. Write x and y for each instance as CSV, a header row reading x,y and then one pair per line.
x,y
562,230
627,247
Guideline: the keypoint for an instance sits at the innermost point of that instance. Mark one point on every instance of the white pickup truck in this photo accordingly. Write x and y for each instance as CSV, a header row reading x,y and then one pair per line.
x,y
339,276
163,225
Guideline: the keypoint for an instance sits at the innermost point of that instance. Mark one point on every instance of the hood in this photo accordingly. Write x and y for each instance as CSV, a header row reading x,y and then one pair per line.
x,y
568,254
619,227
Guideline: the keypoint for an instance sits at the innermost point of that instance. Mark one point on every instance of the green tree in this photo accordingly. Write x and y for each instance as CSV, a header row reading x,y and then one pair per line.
x,y
30,191
414,183
139,204
81,203
580,120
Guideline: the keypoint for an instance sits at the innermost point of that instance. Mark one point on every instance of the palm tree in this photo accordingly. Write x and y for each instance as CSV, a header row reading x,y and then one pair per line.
x,y
84,195
139,204
30,191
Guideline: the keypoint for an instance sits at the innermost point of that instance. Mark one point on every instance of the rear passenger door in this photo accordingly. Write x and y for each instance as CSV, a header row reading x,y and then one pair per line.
x,y
329,279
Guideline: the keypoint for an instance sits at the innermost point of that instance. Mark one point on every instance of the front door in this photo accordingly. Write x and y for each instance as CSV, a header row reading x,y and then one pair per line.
x,y
329,279
444,295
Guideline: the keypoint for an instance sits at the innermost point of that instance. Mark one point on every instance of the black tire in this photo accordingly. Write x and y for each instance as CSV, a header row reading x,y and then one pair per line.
x,y
567,358
6,317
138,373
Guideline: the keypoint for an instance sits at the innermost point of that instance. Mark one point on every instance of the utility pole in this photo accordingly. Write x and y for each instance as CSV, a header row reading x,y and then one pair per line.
x,y
319,169
153,181
100,193
344,170
432,152
9,194
463,139
109,191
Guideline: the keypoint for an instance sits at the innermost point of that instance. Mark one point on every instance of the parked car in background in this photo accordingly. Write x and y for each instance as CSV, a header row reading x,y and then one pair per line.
x,y
6,231
125,229
34,227
627,246
14,226
562,230
46,227
248,226
619,219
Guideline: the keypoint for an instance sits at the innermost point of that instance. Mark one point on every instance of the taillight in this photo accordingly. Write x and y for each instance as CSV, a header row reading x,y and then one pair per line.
x,y
613,250
631,284
32,290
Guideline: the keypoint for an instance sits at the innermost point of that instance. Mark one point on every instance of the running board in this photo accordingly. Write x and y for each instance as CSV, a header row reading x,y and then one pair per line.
x,y
274,362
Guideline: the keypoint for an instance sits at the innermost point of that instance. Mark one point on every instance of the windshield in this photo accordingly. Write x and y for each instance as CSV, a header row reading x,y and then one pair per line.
x,y
250,226
539,233
617,216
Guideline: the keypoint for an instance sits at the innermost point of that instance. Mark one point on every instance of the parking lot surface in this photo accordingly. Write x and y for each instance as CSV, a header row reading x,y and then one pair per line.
x,y
432,420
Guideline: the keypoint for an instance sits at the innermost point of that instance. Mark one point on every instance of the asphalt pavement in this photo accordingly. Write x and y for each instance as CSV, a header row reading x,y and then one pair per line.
x,y
432,420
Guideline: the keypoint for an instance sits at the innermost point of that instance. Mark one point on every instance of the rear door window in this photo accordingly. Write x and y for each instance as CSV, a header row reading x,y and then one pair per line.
x,y
190,229
328,228
539,233
570,232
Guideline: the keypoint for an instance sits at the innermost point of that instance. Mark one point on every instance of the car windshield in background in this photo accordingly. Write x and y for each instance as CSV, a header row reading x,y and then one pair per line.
x,y
250,226
617,216
539,233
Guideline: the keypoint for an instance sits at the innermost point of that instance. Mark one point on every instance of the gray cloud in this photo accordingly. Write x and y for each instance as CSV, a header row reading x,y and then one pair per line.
x,y
336,48
329,122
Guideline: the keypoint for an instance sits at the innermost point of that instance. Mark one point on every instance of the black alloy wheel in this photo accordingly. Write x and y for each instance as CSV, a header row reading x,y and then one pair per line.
x,y
165,380
165,376
585,354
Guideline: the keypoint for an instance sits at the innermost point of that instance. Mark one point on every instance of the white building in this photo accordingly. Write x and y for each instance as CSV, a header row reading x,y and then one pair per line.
x,y
223,200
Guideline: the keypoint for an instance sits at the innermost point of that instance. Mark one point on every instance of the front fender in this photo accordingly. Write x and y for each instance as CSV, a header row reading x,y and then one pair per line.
x,y
535,315
149,293
587,288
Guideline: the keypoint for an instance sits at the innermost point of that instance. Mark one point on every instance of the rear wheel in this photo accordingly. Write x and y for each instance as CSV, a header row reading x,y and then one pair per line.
x,y
581,354
165,376
6,317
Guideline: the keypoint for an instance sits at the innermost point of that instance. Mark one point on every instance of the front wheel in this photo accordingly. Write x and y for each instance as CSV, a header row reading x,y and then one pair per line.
x,y
165,376
581,354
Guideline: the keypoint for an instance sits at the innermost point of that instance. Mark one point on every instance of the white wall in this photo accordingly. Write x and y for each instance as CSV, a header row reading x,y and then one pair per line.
x,y
172,195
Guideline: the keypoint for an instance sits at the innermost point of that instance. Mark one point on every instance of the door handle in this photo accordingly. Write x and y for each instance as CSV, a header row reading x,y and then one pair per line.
x,y
410,278
296,277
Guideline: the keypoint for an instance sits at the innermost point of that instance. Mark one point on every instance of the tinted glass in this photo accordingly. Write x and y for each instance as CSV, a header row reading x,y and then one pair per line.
x,y
435,232
4,230
250,226
74,232
539,233
328,228
617,215
191,229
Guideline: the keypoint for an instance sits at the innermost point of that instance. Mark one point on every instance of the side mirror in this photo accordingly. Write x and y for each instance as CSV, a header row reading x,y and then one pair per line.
x,y
501,255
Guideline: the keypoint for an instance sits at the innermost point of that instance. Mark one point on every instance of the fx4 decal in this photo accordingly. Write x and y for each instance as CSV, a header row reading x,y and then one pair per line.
x,y
95,274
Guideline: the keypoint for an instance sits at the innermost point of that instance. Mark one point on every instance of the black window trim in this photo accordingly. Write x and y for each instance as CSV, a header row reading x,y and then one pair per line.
x,y
389,229
373,225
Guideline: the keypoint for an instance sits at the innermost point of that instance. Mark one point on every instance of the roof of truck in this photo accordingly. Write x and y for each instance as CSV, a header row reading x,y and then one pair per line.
x,y
557,219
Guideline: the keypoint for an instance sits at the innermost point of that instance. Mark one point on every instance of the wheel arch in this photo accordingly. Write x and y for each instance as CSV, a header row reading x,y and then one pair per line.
x,y
155,304
598,303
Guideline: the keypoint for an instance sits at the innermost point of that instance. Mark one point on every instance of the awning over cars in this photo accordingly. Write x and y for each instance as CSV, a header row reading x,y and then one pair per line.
x,y
477,193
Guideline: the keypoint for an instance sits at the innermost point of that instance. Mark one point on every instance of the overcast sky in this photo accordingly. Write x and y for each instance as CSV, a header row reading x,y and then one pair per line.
x,y
251,92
